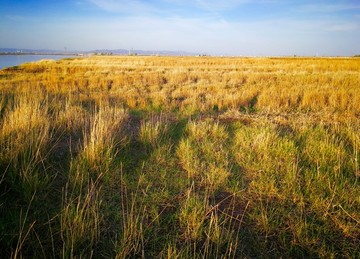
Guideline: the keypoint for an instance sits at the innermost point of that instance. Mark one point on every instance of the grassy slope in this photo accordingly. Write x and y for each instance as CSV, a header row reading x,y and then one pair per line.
x,y
180,158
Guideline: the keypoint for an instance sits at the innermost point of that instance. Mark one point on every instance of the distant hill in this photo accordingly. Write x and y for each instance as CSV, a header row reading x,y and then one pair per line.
x,y
144,52
97,51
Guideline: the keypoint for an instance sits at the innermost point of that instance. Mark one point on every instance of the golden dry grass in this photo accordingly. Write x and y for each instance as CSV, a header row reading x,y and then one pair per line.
x,y
197,84
180,157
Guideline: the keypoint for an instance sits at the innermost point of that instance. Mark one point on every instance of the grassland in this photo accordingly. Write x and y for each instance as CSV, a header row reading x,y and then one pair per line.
x,y
159,157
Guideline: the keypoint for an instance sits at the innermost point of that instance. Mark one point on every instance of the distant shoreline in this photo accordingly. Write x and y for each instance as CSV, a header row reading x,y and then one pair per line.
x,y
36,53
122,54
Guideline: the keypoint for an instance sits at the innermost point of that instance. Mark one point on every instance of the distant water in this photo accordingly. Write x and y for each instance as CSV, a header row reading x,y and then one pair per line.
x,y
15,60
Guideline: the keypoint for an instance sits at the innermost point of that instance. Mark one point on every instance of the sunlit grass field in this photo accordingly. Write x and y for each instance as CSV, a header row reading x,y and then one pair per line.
x,y
180,157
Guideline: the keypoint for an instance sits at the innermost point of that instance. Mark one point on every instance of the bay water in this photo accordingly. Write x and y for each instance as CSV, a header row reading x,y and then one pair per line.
x,y
15,60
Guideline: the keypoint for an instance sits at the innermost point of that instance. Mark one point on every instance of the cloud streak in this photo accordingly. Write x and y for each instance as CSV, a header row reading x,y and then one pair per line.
x,y
15,18
123,6
343,27
161,6
329,8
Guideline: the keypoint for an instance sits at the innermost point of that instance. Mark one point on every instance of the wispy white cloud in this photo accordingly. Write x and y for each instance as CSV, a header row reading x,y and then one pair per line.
x,y
219,5
212,5
16,18
124,6
342,27
142,6
329,8
80,3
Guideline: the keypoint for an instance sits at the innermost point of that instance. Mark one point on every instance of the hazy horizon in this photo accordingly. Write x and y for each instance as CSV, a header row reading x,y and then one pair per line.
x,y
229,27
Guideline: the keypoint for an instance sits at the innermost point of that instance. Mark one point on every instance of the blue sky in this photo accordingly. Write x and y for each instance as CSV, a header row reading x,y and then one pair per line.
x,y
226,27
